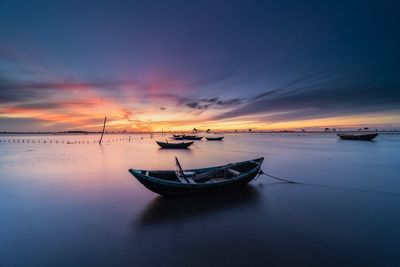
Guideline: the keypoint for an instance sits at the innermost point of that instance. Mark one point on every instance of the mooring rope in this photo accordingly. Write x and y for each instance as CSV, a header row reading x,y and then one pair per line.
x,y
261,172
327,186
277,178
387,139
303,183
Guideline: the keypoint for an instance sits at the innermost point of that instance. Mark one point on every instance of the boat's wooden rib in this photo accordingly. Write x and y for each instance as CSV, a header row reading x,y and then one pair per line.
x,y
205,180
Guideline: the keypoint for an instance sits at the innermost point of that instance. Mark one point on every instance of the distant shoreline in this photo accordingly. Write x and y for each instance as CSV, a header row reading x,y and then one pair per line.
x,y
217,132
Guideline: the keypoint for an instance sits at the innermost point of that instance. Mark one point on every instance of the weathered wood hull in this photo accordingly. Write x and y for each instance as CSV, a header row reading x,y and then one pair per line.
x,y
176,189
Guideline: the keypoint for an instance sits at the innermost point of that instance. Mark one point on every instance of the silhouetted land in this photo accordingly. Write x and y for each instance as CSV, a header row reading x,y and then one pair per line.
x,y
387,131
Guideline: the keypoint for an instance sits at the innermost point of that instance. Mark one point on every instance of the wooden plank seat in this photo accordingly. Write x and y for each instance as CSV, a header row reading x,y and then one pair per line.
x,y
185,177
234,172
209,176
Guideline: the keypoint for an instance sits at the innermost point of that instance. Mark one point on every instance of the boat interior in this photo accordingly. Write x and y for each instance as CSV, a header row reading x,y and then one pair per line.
x,y
200,176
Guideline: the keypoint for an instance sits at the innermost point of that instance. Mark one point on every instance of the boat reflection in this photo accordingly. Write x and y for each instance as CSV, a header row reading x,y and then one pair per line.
x,y
175,151
165,210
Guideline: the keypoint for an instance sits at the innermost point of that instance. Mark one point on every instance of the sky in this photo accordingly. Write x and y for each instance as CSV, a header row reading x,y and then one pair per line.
x,y
175,65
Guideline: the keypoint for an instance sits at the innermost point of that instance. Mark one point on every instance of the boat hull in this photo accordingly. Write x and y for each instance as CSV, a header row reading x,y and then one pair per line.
x,y
193,138
360,137
187,137
214,138
174,189
183,145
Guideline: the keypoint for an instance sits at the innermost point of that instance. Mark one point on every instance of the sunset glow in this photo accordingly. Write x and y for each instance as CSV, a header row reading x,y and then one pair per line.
x,y
150,73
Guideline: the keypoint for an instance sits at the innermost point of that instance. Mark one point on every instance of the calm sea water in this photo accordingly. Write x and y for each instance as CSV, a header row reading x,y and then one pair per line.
x,y
77,205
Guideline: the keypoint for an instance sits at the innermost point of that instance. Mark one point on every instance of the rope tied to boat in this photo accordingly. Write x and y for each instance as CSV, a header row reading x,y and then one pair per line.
x,y
261,172
388,139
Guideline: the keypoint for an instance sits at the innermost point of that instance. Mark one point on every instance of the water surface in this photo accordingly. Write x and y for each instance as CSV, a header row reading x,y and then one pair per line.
x,y
77,205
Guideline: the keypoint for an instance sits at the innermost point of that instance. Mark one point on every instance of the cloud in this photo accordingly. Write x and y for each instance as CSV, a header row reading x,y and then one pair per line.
x,y
42,105
220,102
197,105
321,94
303,81
60,85
10,94
70,92
17,91
205,103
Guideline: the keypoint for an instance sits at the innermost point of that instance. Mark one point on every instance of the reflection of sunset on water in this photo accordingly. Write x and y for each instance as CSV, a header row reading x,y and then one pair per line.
x,y
63,198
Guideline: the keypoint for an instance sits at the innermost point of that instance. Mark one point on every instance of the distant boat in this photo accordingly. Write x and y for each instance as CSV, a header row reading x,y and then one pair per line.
x,y
187,137
182,145
76,132
192,137
358,136
219,138
198,181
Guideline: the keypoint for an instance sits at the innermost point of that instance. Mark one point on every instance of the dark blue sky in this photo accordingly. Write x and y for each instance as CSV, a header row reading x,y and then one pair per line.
x,y
158,64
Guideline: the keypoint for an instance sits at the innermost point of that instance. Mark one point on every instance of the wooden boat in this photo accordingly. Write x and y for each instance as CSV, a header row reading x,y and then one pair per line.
x,y
361,137
187,137
199,181
219,138
192,137
182,145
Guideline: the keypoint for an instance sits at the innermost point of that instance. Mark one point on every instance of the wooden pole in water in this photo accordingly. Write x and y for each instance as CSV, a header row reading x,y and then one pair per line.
x,y
104,127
